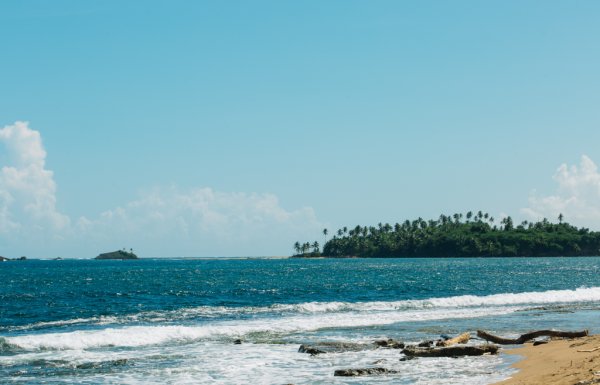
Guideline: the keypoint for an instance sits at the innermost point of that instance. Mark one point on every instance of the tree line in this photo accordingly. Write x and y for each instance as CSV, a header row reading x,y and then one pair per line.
x,y
474,234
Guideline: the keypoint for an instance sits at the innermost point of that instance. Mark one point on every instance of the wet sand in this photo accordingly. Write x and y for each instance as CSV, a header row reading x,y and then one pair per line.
x,y
559,362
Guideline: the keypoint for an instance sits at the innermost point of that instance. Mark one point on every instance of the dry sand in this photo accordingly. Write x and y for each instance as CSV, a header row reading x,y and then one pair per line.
x,y
559,362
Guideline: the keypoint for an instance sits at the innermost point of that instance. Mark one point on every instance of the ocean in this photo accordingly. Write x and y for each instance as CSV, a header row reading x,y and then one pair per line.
x,y
164,321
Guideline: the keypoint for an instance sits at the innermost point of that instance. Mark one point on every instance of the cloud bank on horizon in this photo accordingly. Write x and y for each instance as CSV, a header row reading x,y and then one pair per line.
x,y
577,196
163,222
169,222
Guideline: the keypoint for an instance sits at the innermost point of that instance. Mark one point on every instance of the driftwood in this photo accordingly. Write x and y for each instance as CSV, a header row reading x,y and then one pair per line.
x,y
529,336
461,339
589,350
452,351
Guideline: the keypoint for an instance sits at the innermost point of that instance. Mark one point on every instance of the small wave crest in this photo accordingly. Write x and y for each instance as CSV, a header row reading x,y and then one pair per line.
x,y
6,347
135,336
214,312
285,318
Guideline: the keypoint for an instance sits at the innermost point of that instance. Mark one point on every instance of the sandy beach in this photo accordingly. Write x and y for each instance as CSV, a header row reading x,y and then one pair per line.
x,y
559,362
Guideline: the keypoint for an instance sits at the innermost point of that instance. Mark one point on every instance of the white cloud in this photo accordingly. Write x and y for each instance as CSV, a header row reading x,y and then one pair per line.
x,y
27,188
201,221
577,196
163,222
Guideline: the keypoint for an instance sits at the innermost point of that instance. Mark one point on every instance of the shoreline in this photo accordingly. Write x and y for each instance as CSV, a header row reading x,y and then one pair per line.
x,y
559,362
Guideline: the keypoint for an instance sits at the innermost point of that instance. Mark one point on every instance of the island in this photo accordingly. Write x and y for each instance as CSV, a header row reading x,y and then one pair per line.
x,y
4,259
119,254
457,235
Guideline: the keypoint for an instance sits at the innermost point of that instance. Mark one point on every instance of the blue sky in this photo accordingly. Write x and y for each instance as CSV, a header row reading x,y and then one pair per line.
x,y
188,128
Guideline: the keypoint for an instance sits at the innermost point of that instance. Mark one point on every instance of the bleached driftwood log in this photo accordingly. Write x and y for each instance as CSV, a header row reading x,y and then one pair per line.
x,y
529,336
461,339
451,351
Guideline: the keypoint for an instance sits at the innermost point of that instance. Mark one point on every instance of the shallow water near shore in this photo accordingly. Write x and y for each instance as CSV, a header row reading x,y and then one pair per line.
x,y
175,321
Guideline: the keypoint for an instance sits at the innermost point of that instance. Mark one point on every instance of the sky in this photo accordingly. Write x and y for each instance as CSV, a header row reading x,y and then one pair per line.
x,y
210,128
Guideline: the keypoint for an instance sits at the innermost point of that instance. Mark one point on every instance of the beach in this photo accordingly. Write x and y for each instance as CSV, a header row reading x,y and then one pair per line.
x,y
559,362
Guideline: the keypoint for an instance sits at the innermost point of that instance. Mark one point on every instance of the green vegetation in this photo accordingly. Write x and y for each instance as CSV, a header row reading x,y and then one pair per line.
x,y
307,249
451,236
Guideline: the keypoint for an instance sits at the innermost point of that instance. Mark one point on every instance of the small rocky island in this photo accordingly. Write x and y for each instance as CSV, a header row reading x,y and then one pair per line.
x,y
119,254
4,259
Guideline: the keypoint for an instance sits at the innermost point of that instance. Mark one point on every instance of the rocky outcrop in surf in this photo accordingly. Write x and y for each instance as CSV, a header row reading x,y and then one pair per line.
x,y
341,347
362,372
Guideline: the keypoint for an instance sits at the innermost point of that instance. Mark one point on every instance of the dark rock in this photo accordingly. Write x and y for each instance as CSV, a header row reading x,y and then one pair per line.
x,y
389,343
334,347
23,258
425,344
407,358
536,343
451,351
362,372
310,350
237,342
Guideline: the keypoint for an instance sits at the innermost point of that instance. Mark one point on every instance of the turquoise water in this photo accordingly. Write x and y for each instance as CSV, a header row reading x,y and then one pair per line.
x,y
174,321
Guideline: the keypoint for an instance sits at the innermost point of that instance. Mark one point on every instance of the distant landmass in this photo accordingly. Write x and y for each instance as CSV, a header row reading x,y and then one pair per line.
x,y
457,235
4,259
119,254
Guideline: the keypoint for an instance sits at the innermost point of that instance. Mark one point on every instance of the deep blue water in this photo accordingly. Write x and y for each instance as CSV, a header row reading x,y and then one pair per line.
x,y
71,313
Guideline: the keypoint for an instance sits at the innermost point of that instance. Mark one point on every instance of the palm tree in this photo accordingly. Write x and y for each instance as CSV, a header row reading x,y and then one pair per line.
x,y
508,223
297,247
305,247
315,247
560,218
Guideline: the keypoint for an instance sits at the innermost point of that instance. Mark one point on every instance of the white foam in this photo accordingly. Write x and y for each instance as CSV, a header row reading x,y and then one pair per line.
x,y
210,312
216,363
546,297
291,318
133,336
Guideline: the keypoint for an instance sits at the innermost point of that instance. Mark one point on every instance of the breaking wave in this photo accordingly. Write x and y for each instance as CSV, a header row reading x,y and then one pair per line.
x,y
281,319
